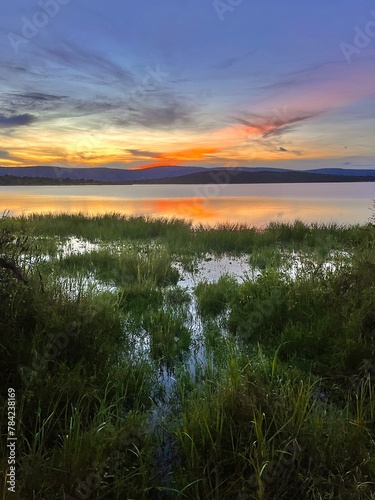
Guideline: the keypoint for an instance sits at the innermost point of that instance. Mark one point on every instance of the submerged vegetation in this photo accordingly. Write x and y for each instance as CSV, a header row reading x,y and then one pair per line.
x,y
137,376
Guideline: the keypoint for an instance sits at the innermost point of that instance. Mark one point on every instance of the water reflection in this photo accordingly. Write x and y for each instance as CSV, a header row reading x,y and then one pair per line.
x,y
244,204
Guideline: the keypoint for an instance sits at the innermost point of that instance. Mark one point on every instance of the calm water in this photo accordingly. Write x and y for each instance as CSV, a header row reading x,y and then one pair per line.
x,y
345,203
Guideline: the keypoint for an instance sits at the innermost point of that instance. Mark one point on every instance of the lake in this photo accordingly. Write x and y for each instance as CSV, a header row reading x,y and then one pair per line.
x,y
256,204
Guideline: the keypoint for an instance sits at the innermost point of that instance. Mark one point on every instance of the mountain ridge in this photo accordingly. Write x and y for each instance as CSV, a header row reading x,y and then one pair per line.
x,y
178,175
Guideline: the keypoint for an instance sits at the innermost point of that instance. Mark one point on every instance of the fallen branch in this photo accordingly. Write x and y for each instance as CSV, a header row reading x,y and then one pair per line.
x,y
6,264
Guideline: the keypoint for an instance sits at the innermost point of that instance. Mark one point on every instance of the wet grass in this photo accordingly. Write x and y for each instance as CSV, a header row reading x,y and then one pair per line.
x,y
260,388
215,298
183,238
125,267
169,337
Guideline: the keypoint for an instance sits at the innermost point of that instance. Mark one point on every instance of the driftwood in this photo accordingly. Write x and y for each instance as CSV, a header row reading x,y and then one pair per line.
x,y
6,264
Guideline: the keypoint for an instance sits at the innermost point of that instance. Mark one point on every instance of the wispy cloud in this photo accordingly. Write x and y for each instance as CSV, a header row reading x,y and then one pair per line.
x,y
94,64
272,125
39,96
26,102
161,110
49,106
320,89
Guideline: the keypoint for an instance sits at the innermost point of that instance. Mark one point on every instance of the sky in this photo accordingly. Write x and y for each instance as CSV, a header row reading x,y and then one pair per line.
x,y
213,83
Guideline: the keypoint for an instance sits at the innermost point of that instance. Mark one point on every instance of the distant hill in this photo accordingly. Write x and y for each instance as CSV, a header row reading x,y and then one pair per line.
x,y
230,177
47,175
111,175
343,171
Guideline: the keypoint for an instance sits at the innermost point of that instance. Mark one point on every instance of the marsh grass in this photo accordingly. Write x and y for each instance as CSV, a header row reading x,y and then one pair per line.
x,y
73,445
168,334
214,298
129,266
183,238
106,228
280,403
266,435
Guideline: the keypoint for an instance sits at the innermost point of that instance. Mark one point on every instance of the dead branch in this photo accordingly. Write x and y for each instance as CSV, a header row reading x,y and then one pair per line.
x,y
6,264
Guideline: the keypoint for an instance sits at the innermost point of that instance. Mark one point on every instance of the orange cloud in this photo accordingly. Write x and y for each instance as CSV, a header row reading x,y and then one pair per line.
x,y
178,157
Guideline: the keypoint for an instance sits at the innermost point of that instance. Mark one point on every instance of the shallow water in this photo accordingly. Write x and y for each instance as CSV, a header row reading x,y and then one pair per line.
x,y
81,285
77,246
208,268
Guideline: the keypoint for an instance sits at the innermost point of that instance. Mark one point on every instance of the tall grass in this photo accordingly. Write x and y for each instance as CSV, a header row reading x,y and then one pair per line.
x,y
271,437
214,298
169,337
181,237
273,399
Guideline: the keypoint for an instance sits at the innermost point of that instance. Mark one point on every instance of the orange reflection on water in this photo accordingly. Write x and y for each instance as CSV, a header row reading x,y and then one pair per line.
x,y
195,209
254,210
185,208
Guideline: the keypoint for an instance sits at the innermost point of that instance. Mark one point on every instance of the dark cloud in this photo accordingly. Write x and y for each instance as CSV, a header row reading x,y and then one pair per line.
x,y
138,152
39,96
30,102
52,106
4,154
277,131
266,144
16,120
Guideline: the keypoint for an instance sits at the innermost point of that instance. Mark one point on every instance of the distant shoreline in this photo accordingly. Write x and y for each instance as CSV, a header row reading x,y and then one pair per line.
x,y
247,178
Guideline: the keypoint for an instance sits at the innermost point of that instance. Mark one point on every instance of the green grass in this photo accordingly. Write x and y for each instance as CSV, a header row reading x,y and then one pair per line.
x,y
273,399
214,298
169,337
181,237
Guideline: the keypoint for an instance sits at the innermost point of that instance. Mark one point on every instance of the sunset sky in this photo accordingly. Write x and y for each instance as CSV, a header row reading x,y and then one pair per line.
x,y
187,82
